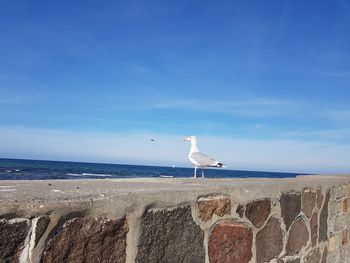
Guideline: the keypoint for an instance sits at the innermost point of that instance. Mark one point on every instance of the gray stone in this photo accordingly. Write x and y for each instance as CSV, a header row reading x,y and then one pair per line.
x,y
290,207
334,207
324,255
314,229
240,210
298,237
230,242
314,256
170,235
340,222
12,236
323,228
258,211
88,240
308,202
338,192
269,241
41,227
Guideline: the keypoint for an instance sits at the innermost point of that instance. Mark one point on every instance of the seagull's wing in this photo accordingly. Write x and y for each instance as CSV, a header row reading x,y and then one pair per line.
x,y
203,160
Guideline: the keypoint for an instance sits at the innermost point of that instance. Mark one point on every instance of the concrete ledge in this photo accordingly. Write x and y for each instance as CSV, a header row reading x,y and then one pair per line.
x,y
131,209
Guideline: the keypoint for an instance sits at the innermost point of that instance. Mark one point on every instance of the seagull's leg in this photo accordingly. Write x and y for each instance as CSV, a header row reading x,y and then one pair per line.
x,y
202,172
195,172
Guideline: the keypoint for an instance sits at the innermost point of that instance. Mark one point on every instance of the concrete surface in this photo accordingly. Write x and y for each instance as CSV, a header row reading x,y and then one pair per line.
x,y
30,198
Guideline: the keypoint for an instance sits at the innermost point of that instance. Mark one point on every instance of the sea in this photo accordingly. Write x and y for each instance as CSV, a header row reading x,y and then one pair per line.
x,y
19,169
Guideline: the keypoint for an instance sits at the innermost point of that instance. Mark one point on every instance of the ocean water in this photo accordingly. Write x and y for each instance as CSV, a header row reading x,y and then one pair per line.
x,y
16,169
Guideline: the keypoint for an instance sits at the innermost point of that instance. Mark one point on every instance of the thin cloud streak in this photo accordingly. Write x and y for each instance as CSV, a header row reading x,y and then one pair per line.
x,y
261,107
136,148
256,107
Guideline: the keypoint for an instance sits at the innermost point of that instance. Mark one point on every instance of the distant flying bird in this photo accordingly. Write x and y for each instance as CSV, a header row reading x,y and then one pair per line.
x,y
152,140
199,159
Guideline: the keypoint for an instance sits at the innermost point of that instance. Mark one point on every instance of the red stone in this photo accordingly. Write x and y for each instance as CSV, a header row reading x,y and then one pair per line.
x,y
230,242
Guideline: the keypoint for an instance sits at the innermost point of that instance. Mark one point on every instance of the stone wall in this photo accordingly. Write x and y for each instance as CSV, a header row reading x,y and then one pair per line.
x,y
311,224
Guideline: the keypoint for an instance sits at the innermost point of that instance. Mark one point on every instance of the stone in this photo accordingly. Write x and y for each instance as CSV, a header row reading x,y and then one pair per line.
x,y
230,242
335,207
297,260
314,228
342,253
269,241
344,240
298,237
340,222
334,258
331,244
338,192
258,211
41,226
240,210
88,239
308,201
323,228
170,235
324,255
314,256
346,205
290,207
319,198
218,205
12,238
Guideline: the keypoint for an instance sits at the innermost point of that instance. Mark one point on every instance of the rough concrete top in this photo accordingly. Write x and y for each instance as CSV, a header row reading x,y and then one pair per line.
x,y
117,196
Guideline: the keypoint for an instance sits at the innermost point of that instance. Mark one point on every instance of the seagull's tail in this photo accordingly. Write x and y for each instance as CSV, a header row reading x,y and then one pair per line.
x,y
220,165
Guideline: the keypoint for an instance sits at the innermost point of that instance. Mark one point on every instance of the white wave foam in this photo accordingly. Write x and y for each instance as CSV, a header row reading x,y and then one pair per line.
x,y
166,176
89,174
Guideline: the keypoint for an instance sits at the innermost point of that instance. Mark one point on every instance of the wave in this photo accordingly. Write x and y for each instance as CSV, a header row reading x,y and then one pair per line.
x,y
166,176
89,174
12,170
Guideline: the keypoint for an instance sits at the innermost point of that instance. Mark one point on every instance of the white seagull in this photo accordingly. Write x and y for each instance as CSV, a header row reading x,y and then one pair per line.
x,y
199,159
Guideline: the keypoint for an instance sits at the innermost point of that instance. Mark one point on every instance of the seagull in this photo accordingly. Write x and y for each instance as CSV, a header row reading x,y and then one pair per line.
x,y
199,159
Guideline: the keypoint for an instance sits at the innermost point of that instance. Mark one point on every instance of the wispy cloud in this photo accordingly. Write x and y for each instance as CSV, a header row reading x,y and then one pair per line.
x,y
246,107
262,107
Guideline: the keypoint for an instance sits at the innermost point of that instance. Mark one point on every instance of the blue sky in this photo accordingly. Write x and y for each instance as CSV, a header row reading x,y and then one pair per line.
x,y
247,77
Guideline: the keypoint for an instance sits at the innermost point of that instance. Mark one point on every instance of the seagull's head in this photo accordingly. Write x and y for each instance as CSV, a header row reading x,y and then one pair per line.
x,y
190,138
